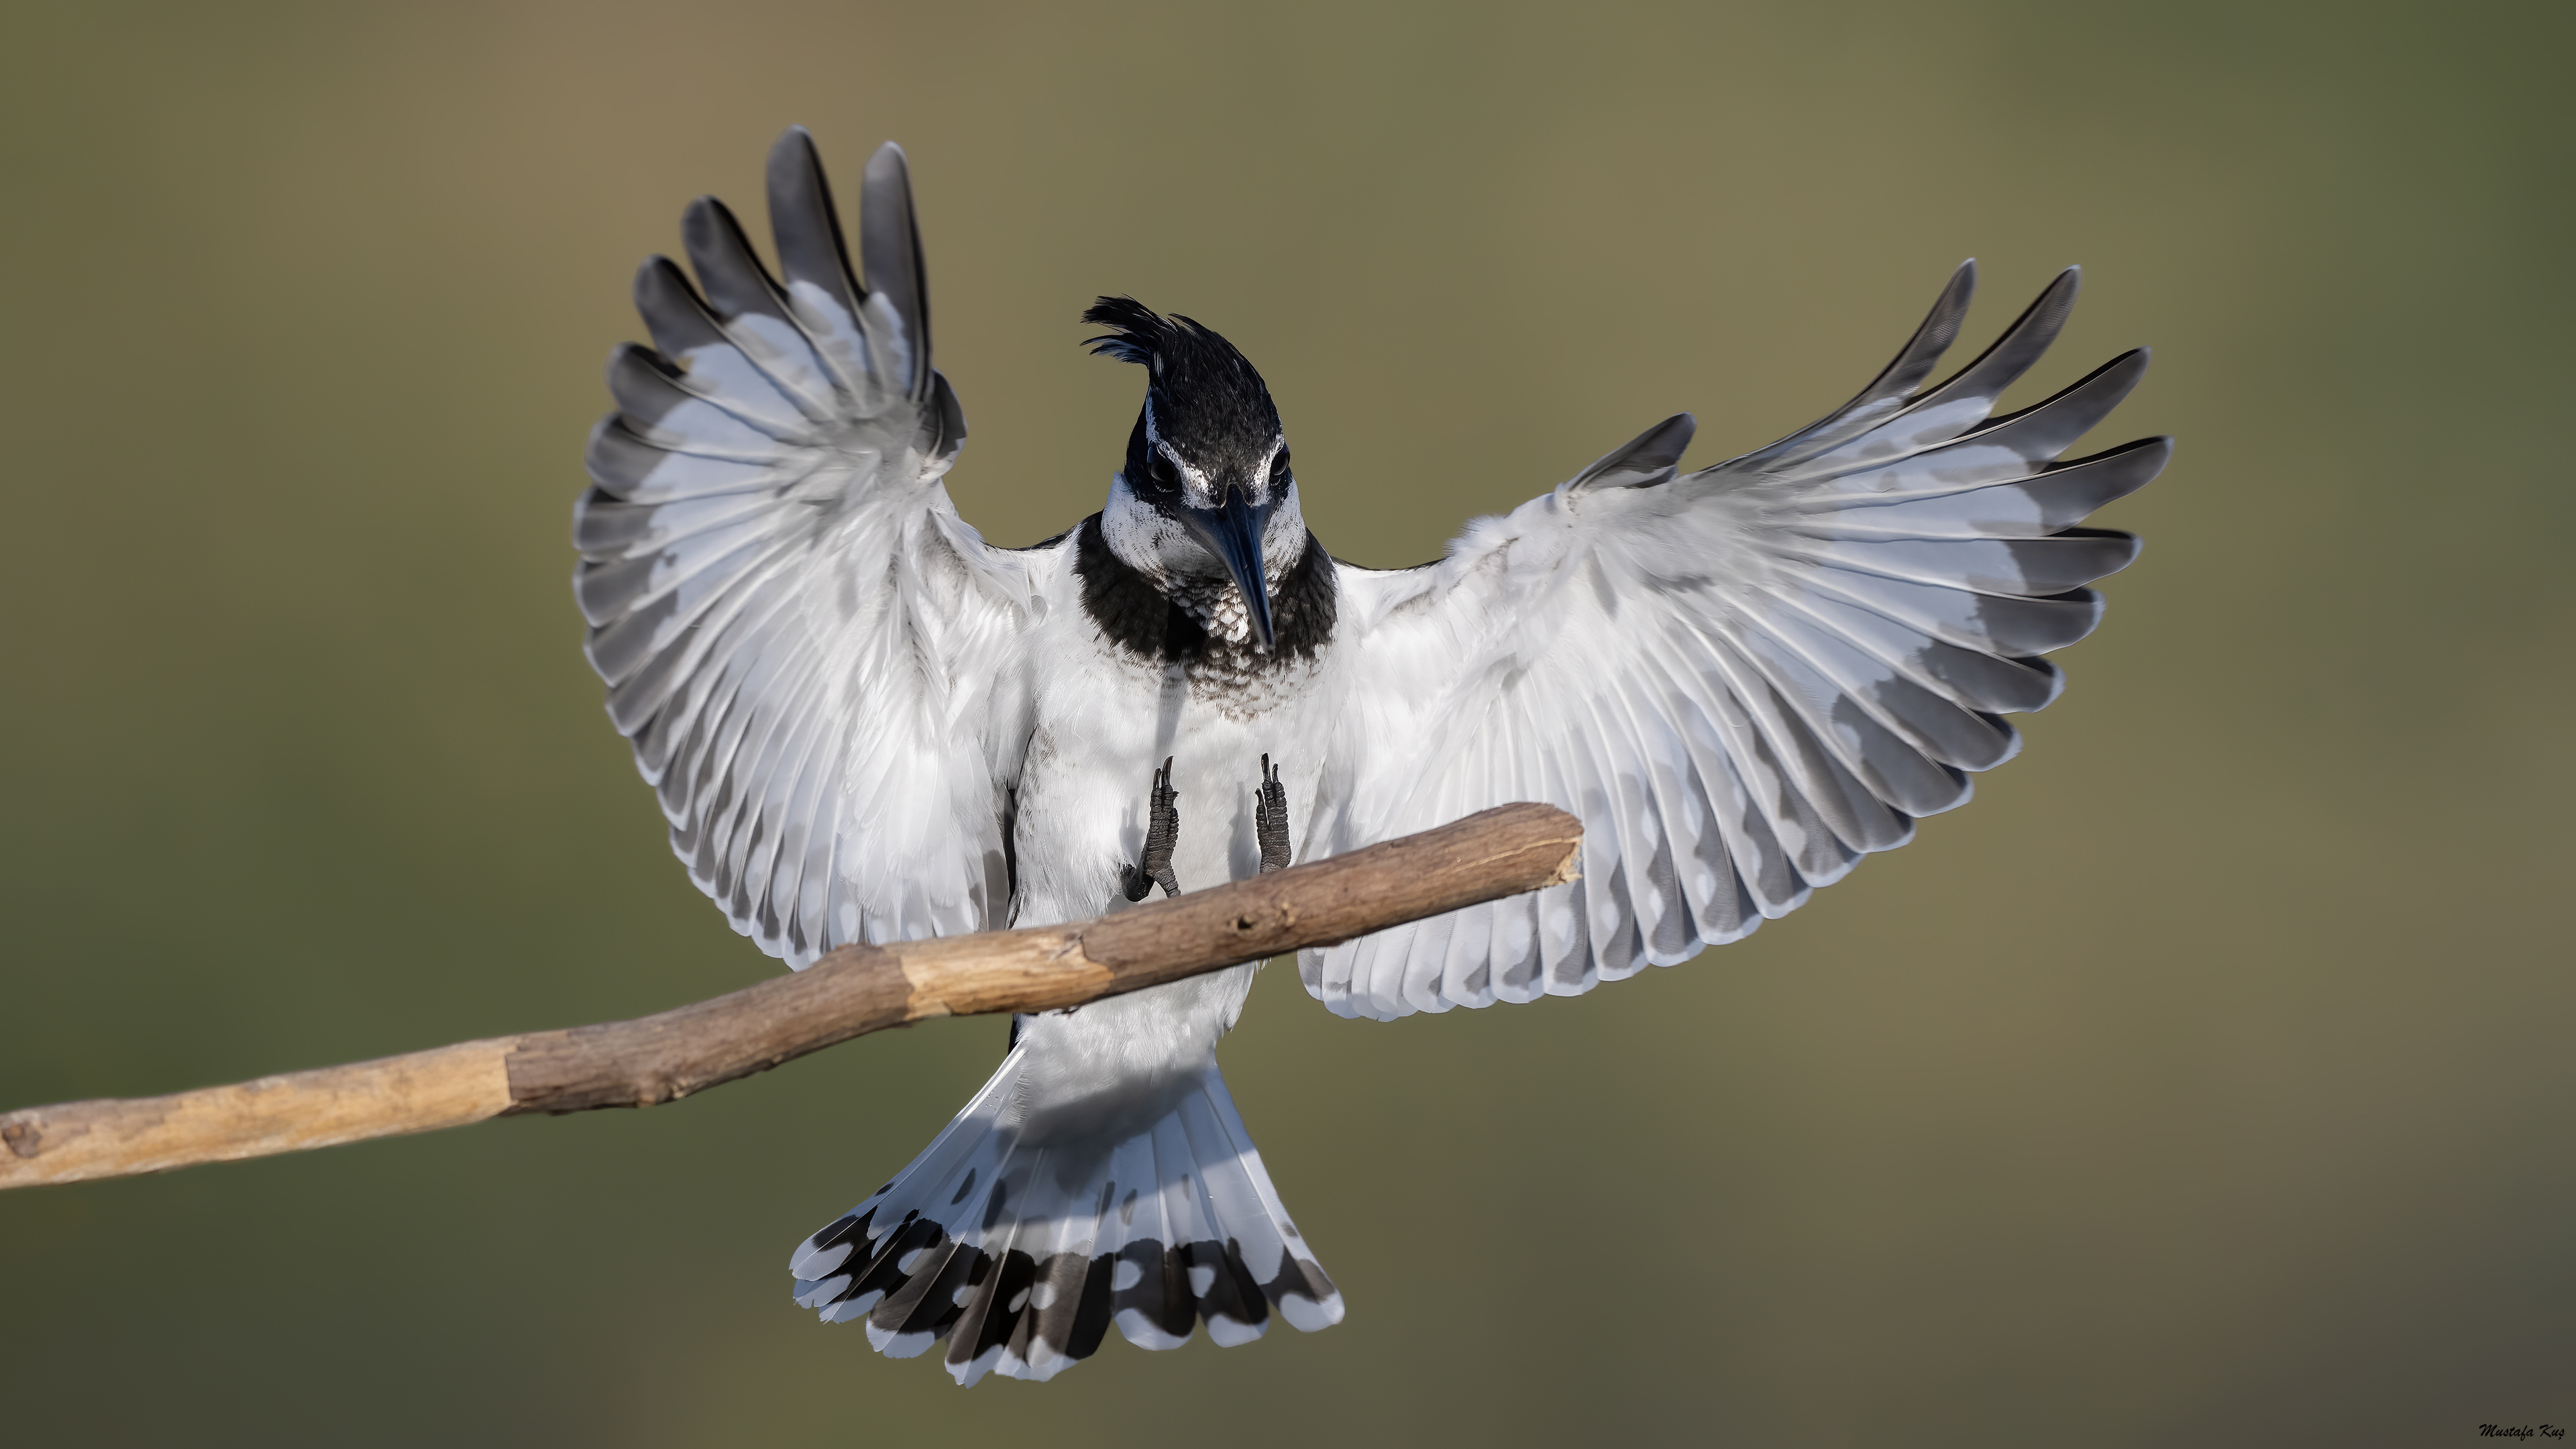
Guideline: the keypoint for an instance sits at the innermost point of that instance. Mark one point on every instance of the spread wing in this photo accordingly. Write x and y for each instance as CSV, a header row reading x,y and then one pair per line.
x,y
1742,679
811,652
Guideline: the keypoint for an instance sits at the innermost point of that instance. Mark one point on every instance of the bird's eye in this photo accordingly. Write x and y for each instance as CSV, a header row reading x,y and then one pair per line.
x,y
1279,468
1163,473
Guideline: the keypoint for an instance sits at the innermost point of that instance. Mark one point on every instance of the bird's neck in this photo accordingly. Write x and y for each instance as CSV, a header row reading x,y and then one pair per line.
x,y
1177,618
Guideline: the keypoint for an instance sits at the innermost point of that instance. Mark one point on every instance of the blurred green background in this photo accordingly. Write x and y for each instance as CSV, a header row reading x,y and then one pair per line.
x,y
2209,1080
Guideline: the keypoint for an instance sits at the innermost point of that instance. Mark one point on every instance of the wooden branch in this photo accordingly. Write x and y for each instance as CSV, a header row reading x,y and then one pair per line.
x,y
853,991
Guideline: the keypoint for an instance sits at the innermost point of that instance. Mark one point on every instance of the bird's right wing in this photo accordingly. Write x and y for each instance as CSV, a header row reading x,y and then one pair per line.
x,y
814,656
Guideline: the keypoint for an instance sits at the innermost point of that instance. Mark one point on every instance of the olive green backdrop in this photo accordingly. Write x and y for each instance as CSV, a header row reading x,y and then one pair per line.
x,y
2209,1080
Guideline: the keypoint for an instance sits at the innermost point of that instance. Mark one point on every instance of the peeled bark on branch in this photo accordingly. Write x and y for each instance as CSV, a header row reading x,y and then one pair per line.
x,y
851,992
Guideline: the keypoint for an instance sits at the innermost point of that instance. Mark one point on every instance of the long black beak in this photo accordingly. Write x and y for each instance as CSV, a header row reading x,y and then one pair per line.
x,y
1232,531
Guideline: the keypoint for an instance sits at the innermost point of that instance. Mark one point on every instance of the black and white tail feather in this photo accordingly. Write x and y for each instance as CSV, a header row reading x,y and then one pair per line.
x,y
1021,1249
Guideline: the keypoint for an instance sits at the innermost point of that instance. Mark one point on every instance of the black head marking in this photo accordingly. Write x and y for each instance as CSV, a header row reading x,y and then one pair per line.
x,y
1203,398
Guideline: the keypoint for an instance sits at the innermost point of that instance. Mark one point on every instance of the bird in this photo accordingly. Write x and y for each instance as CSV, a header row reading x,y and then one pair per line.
x,y
866,724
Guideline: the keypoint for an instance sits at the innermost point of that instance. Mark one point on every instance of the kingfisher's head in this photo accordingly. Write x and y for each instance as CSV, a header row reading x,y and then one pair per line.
x,y
1205,493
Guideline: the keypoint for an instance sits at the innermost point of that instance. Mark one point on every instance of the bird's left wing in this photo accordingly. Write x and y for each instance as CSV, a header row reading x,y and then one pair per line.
x,y
812,653
1741,679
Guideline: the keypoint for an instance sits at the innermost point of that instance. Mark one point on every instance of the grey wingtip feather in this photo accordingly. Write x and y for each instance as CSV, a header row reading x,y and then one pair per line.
x,y
1644,461
706,216
889,163
1963,280
645,271
1952,305
890,246
794,144
1931,337
794,167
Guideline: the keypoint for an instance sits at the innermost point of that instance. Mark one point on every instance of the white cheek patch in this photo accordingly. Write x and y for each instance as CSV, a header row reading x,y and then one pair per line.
x,y
1141,537
1283,538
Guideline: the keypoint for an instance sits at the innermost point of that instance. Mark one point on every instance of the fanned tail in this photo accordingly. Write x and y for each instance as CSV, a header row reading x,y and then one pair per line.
x,y
1022,1252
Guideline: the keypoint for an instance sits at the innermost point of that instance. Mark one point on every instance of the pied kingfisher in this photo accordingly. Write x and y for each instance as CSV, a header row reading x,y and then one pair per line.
x,y
867,724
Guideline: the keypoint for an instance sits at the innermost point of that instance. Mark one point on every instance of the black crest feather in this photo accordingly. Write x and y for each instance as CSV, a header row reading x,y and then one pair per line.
x,y
1142,333
1209,399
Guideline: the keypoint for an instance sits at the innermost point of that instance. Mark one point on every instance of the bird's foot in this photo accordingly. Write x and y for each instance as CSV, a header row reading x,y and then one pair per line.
x,y
1270,818
1162,832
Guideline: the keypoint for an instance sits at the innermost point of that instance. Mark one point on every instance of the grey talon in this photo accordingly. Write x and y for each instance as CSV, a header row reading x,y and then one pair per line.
x,y
1270,819
1162,832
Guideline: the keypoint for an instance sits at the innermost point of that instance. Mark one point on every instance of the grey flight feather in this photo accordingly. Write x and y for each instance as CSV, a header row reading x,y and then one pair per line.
x,y
1742,679
890,242
1643,461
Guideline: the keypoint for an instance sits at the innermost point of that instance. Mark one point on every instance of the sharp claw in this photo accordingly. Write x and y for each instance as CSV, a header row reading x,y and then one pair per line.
x,y
1162,832
1270,818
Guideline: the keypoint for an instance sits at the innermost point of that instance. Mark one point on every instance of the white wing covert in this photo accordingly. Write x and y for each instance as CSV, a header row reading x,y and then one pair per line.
x,y
1741,679
813,655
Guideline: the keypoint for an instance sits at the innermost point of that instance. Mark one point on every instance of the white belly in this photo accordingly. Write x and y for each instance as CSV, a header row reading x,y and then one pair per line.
x,y
1103,724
